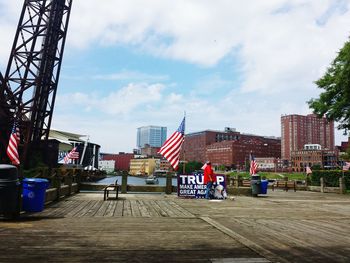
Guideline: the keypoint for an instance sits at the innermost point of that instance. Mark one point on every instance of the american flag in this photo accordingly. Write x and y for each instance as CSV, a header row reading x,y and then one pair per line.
x,y
73,154
253,165
308,170
12,148
172,146
346,166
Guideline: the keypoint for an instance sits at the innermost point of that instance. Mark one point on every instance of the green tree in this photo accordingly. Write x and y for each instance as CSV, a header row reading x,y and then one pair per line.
x,y
190,167
334,101
345,156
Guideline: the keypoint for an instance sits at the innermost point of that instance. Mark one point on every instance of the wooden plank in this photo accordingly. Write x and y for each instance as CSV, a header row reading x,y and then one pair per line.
x,y
336,225
127,208
74,210
152,211
101,211
143,210
285,233
111,208
135,208
249,243
269,240
159,210
321,230
164,205
50,210
119,209
70,206
86,209
182,210
93,209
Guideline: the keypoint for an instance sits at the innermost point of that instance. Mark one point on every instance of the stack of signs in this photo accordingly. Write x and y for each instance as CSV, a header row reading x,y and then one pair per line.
x,y
192,185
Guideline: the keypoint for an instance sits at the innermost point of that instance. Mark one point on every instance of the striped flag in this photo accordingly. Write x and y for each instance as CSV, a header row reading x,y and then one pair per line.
x,y
253,165
12,148
73,154
346,166
172,146
308,170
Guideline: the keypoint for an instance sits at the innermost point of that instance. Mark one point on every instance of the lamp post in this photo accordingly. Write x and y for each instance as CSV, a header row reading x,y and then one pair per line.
x,y
183,166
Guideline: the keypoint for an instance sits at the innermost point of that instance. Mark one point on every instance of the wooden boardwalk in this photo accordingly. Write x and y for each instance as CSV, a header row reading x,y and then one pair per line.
x,y
282,227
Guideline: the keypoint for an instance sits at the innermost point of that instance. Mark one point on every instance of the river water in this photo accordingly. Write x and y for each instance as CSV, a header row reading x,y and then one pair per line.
x,y
133,180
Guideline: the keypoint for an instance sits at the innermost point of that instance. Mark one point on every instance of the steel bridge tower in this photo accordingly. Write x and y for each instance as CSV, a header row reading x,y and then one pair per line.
x,y
28,87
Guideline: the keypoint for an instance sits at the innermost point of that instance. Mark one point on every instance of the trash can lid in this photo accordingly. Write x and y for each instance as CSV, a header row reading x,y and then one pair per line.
x,y
35,180
256,177
8,172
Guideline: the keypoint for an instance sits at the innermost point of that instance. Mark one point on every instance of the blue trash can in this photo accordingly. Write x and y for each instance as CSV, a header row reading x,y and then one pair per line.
x,y
263,187
34,191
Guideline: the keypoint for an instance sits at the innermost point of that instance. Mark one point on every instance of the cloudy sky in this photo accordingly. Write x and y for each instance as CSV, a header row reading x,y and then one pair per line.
x,y
227,63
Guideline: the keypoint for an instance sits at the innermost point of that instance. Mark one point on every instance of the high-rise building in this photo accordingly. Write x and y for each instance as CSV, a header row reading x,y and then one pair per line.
x,y
298,130
152,136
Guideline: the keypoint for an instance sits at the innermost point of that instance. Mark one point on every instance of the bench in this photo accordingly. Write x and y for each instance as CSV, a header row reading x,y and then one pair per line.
x,y
285,185
111,188
246,183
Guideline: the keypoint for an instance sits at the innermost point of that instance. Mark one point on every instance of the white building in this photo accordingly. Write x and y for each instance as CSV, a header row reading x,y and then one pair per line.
x,y
107,166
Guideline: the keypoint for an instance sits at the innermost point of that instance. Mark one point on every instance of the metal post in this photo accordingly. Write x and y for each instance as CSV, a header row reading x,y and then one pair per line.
x,y
169,186
342,187
124,182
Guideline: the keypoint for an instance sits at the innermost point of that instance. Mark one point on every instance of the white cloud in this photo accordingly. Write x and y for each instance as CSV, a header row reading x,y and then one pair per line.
x,y
132,76
121,101
282,44
282,47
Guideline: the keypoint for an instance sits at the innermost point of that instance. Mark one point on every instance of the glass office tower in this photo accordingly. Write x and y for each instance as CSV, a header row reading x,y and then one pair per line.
x,y
154,136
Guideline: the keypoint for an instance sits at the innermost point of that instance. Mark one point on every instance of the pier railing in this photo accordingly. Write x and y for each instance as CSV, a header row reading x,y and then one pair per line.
x,y
62,181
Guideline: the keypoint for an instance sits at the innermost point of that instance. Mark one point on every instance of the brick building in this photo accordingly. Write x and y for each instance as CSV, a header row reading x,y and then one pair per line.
x,y
122,160
313,156
298,130
344,146
150,151
229,147
162,165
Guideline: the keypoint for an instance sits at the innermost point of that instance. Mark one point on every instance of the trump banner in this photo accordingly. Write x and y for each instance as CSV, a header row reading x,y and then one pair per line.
x,y
192,186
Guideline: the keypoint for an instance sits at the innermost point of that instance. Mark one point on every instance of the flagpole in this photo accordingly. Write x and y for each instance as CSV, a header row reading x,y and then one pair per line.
x,y
184,163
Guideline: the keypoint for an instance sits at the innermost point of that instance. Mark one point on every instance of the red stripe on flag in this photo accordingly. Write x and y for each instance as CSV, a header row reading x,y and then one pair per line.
x,y
73,154
12,148
172,146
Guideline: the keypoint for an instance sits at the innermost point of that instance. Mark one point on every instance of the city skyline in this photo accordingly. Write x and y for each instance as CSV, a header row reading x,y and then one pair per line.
x,y
225,66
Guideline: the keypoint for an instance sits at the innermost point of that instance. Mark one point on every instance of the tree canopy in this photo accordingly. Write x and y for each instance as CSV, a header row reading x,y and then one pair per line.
x,y
334,101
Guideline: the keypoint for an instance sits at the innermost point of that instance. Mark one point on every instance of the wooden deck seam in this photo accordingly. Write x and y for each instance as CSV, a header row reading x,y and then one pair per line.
x,y
245,241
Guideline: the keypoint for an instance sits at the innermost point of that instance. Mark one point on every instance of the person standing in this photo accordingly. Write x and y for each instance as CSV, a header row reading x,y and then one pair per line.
x,y
209,178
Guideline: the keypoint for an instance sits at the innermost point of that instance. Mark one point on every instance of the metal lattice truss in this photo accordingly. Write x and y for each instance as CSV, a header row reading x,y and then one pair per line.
x,y
29,85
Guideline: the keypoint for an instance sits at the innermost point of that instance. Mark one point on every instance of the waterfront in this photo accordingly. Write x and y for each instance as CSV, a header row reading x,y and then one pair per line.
x,y
134,180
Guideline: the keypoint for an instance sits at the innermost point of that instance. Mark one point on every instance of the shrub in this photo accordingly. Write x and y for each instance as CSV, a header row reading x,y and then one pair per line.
x,y
330,177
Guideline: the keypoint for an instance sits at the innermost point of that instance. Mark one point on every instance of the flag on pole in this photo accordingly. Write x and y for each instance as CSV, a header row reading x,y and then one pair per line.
x,y
73,154
12,148
346,166
172,146
308,170
253,165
